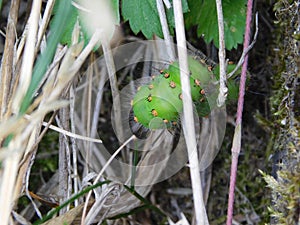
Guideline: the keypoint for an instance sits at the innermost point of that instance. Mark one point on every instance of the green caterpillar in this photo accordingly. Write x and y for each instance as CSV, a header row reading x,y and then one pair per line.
x,y
159,103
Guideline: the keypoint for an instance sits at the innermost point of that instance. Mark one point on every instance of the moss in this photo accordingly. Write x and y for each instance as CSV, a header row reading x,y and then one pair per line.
x,y
285,180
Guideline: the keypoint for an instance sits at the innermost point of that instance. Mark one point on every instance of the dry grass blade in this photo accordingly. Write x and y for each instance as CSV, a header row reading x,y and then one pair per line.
x,y
7,66
22,130
188,118
29,55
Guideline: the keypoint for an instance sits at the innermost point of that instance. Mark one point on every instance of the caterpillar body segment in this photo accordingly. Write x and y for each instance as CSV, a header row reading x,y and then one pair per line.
x,y
158,104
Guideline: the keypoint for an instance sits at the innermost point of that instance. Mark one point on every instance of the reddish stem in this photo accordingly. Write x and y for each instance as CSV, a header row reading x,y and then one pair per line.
x,y
236,149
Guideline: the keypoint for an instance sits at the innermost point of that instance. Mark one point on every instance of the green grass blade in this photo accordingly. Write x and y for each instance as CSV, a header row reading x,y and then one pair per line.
x,y
57,29
69,201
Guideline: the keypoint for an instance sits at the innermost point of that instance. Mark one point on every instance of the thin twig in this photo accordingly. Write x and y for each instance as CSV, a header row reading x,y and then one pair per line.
x,y
63,159
165,29
68,133
89,115
222,56
236,145
44,23
188,117
73,144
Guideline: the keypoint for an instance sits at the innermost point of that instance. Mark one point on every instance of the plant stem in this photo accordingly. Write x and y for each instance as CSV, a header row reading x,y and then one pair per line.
x,y
165,29
133,169
222,56
236,146
188,118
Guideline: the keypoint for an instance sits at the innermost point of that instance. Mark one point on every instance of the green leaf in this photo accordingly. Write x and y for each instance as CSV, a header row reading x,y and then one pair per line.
x,y
143,16
204,15
75,16
67,35
66,38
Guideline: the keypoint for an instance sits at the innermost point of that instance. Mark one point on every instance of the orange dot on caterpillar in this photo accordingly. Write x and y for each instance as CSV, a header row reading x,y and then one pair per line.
x,y
197,82
172,84
154,112
180,96
151,86
166,75
149,98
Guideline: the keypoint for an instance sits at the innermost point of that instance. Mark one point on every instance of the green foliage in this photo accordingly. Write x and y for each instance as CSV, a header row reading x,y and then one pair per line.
x,y
143,16
75,17
67,35
204,15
